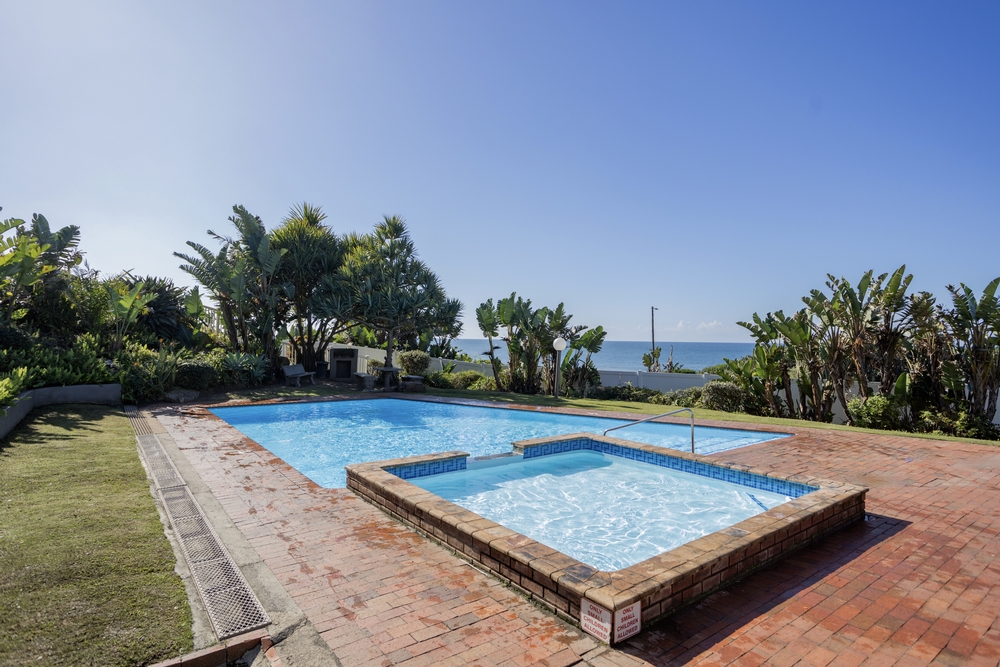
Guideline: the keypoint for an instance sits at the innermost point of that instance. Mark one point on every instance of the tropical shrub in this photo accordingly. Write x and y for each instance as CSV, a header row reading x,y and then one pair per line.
x,y
874,338
145,375
11,384
465,379
439,379
965,424
625,392
198,374
12,338
725,396
878,412
244,369
57,367
683,398
485,383
165,316
414,362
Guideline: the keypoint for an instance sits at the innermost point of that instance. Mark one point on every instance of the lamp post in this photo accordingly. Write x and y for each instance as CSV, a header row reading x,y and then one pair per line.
x,y
559,344
652,326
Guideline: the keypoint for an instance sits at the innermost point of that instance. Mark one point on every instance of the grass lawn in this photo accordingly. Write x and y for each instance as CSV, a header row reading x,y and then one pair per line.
x,y
86,573
323,389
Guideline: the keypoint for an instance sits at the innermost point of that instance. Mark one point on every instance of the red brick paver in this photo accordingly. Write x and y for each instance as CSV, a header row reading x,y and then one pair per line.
x,y
916,584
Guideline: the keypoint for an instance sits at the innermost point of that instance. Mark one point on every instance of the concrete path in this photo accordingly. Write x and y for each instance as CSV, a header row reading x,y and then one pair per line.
x,y
916,584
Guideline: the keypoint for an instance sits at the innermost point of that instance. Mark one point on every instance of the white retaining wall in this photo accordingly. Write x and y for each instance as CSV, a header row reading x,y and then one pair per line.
x,y
101,394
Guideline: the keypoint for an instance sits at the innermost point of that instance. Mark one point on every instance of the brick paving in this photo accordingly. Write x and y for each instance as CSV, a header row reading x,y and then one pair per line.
x,y
916,584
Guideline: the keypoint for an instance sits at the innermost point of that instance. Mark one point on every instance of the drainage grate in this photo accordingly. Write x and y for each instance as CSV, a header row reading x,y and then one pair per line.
x,y
182,504
137,420
216,575
234,611
228,598
160,466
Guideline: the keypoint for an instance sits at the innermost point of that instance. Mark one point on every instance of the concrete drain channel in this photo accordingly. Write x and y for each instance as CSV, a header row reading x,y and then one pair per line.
x,y
231,604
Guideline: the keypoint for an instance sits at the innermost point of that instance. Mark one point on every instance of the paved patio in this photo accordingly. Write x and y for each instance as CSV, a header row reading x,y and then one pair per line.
x,y
918,583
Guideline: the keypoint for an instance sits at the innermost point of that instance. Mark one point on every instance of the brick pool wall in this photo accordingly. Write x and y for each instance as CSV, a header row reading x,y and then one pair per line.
x,y
662,584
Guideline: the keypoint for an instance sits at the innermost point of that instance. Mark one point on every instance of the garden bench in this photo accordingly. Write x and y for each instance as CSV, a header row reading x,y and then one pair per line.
x,y
367,379
297,372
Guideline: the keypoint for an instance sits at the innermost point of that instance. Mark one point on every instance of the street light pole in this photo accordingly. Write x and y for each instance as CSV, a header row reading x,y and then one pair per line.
x,y
652,326
559,344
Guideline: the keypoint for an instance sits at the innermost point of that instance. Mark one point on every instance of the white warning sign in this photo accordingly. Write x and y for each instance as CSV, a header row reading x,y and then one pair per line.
x,y
595,620
628,621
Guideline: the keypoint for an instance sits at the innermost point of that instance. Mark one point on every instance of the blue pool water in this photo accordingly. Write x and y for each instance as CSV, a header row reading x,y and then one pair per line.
x,y
319,439
605,511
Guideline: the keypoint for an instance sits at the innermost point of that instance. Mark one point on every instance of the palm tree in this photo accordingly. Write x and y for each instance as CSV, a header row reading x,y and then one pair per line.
x,y
316,303
394,292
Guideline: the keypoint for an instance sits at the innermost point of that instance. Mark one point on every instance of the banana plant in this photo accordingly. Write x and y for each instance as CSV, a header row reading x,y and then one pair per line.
x,y
893,324
765,333
858,320
651,360
834,350
241,277
975,327
579,370
766,369
22,265
488,319
126,306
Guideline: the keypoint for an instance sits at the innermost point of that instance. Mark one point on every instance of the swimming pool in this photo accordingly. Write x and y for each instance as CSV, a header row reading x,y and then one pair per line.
x,y
611,604
606,511
319,439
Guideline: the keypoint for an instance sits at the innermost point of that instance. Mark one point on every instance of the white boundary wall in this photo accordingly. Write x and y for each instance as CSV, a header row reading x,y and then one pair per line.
x,y
658,381
378,355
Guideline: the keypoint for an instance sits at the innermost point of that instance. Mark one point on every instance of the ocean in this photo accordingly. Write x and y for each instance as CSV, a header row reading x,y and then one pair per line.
x,y
626,355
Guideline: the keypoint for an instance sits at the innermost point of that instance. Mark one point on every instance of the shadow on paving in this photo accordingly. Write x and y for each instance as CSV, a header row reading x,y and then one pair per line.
x,y
677,639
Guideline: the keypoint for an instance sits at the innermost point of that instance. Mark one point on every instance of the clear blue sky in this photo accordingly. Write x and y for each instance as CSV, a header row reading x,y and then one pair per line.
x,y
711,159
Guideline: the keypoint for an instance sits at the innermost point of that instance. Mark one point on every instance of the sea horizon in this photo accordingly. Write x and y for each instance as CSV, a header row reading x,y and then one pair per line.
x,y
626,355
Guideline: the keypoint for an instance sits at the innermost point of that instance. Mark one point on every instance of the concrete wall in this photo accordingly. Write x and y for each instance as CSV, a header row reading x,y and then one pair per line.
x,y
101,394
365,353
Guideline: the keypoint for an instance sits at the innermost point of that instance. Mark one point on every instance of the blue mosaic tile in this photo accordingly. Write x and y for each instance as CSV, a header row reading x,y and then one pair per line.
x,y
752,480
414,470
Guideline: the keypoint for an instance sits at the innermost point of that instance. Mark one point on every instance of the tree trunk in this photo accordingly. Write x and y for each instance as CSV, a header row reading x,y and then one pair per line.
x,y
786,379
495,363
389,343
769,390
859,365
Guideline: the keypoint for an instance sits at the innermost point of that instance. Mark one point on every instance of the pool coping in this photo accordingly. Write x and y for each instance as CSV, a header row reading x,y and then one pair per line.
x,y
604,603
789,431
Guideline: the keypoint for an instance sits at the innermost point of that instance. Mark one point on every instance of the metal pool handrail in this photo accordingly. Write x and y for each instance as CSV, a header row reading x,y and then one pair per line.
x,y
665,414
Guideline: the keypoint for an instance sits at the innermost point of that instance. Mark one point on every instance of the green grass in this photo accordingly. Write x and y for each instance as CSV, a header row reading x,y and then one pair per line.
x,y
325,389
86,573
641,409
